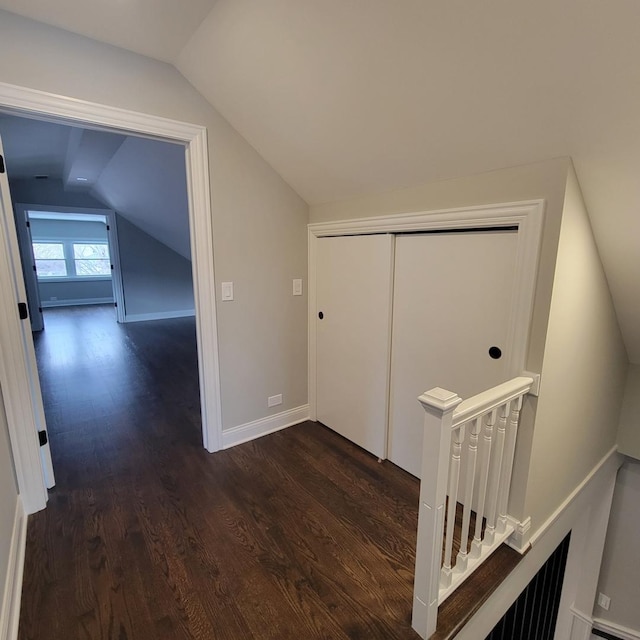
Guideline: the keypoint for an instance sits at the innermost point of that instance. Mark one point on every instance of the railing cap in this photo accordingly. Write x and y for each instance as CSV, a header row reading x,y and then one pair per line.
x,y
440,399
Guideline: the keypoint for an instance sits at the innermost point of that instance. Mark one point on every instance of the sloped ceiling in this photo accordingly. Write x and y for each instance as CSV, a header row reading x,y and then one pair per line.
x,y
143,180
353,98
346,98
155,28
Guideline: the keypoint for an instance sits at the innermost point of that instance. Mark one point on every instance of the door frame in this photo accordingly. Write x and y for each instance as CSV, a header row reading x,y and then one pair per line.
x,y
25,102
22,210
527,216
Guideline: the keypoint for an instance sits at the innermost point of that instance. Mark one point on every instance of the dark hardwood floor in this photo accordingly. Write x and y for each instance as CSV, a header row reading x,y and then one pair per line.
x,y
298,535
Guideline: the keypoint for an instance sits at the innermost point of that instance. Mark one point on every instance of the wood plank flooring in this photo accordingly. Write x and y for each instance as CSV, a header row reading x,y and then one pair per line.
x,y
299,534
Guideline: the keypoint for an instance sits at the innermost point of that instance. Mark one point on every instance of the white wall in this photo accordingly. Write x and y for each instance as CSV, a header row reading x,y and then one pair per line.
x,y
8,496
621,561
259,222
155,279
629,429
584,368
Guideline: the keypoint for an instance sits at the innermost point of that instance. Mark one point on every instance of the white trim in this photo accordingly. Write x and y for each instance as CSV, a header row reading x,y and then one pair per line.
x,y
580,625
77,302
33,103
160,315
624,633
611,457
10,612
264,426
519,540
527,216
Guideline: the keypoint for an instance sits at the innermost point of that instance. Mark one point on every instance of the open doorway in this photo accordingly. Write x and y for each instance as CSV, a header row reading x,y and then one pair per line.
x,y
71,262
21,391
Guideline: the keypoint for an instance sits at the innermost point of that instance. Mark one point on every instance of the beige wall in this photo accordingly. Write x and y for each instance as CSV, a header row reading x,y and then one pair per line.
x,y
584,368
259,222
8,494
621,562
629,429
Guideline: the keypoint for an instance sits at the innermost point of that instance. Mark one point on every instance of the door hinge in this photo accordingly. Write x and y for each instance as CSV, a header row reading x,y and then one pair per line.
x,y
115,304
42,437
22,311
40,309
108,227
28,224
111,267
35,268
1,164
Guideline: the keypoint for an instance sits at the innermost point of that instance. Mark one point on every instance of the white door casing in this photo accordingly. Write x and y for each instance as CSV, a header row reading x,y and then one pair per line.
x,y
23,374
38,104
453,296
353,333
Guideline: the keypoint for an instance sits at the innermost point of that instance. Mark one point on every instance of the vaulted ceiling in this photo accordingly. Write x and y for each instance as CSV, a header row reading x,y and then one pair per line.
x,y
346,98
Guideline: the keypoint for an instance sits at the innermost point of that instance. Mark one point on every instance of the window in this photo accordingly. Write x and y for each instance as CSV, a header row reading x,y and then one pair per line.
x,y
50,262
70,259
91,259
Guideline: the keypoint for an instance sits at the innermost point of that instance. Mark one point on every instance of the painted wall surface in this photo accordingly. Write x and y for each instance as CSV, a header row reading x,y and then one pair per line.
x,y
584,369
621,562
49,192
629,429
155,279
58,293
145,182
8,493
259,222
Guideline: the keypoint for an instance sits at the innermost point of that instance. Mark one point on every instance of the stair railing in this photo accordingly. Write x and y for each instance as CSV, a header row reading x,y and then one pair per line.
x,y
467,463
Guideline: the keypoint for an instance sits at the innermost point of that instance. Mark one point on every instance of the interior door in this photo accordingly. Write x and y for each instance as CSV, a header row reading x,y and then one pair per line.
x,y
27,340
29,271
353,285
453,295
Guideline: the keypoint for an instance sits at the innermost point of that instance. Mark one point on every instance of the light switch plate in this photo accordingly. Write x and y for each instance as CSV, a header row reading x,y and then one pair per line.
x,y
297,286
227,291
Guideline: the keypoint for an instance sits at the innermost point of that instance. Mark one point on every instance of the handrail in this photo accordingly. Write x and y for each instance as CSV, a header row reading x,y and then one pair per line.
x,y
478,405
468,453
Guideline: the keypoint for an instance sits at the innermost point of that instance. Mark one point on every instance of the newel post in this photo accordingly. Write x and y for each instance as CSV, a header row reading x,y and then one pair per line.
x,y
438,405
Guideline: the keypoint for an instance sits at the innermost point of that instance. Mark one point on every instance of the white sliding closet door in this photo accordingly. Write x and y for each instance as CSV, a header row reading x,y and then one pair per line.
x,y
453,295
353,314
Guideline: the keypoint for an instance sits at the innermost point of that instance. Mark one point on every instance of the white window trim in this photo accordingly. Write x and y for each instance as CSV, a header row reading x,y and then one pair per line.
x,y
69,259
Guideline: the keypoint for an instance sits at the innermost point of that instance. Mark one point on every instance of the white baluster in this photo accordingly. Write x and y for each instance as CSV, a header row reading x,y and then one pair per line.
x,y
472,450
485,459
454,478
507,466
494,482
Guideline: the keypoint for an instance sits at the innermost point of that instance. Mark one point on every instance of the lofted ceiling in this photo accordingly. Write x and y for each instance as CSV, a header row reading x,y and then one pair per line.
x,y
143,180
347,98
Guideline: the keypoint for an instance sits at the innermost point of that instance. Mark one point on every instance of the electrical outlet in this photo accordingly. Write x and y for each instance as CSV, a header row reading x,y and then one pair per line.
x,y
604,601
273,401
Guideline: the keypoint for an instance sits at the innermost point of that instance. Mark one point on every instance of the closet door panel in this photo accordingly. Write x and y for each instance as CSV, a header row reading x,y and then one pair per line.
x,y
452,302
353,281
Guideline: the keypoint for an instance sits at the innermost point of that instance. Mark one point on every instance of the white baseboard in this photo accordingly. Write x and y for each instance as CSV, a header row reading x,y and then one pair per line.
x,y
10,612
624,633
160,315
257,428
79,302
